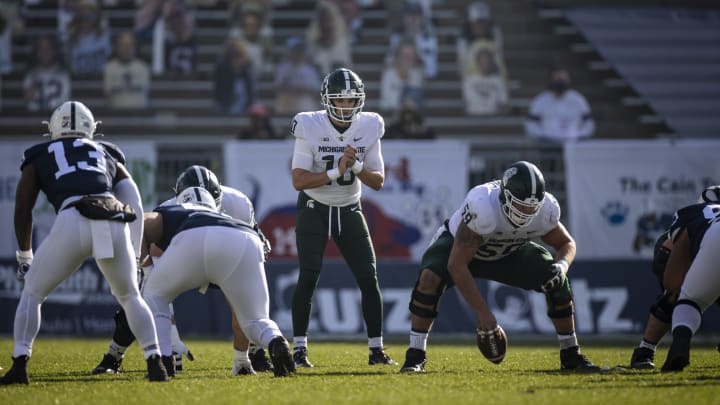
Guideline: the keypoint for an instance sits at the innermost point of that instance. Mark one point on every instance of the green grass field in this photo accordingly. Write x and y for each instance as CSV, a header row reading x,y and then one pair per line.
x,y
456,374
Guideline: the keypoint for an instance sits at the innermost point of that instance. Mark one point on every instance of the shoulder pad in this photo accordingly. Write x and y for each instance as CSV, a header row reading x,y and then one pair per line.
x,y
296,128
32,153
114,151
482,218
552,209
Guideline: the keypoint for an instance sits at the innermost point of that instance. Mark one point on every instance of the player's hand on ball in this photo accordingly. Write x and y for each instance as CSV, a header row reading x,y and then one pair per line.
x,y
492,343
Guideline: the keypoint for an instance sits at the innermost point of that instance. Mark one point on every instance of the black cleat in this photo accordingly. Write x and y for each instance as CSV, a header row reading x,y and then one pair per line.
x,y
17,373
283,364
378,356
259,361
642,358
300,357
414,361
156,370
572,360
169,364
678,356
108,364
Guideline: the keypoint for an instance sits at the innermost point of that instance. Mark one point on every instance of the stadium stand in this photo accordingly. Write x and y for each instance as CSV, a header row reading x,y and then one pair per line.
x,y
181,107
670,56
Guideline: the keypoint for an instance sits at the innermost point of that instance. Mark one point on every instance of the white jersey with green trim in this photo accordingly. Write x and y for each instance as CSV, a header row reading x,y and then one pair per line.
x,y
319,146
482,213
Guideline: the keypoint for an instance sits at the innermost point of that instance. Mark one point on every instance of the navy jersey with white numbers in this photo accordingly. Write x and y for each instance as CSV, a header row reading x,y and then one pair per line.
x,y
70,167
177,218
696,219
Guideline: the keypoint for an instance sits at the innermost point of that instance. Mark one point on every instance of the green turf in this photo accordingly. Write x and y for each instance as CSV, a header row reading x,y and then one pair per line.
x,y
456,374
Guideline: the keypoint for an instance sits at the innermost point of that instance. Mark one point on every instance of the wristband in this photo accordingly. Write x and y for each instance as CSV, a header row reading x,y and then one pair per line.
x,y
564,264
333,174
24,256
358,167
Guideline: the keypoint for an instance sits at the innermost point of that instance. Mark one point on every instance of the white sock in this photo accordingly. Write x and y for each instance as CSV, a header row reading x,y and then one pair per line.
x,y
375,342
115,350
567,341
647,345
418,340
241,355
300,341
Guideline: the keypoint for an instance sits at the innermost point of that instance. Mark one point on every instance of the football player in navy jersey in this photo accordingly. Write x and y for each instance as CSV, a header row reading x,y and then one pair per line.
x,y
248,358
202,246
99,214
489,237
661,312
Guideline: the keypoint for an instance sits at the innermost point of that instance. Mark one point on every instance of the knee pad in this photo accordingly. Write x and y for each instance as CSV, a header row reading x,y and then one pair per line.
x,y
559,301
662,308
426,299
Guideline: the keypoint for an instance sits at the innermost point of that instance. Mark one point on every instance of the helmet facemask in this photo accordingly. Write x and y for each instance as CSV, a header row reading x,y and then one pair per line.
x,y
343,114
520,212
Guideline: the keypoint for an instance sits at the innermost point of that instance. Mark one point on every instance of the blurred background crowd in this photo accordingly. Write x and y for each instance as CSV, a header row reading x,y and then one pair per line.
x,y
432,68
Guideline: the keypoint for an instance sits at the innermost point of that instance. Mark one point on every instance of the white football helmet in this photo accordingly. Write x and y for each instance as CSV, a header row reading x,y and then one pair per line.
x,y
710,194
71,119
196,196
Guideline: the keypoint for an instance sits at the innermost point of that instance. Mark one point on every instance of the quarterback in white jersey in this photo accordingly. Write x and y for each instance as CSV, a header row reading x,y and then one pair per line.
x,y
335,150
491,237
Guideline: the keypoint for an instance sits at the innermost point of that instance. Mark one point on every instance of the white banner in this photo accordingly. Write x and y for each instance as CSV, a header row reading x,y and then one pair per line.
x,y
425,181
141,162
622,194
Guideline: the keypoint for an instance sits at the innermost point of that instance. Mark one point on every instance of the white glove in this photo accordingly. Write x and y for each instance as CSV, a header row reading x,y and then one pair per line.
x,y
24,259
559,270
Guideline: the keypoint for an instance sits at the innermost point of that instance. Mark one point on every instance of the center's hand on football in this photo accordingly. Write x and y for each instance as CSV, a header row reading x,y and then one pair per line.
x,y
486,321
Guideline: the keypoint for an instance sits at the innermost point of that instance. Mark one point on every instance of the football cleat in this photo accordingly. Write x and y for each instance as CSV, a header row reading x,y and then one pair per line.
x,y
155,369
414,361
17,373
642,358
259,361
678,356
283,364
572,360
378,356
300,356
242,368
108,364
169,364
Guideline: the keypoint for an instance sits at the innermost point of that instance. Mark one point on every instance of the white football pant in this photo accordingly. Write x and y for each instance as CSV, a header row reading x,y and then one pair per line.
x,y
68,244
702,282
228,257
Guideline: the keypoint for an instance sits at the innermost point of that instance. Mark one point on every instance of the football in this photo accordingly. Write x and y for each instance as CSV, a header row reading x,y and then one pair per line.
x,y
492,344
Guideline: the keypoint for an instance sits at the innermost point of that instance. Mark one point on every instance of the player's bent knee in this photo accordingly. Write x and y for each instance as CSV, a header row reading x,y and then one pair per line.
x,y
559,301
663,307
426,295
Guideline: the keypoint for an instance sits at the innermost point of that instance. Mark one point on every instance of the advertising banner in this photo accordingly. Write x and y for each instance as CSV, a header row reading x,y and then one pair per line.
x,y
141,162
424,183
611,297
622,194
